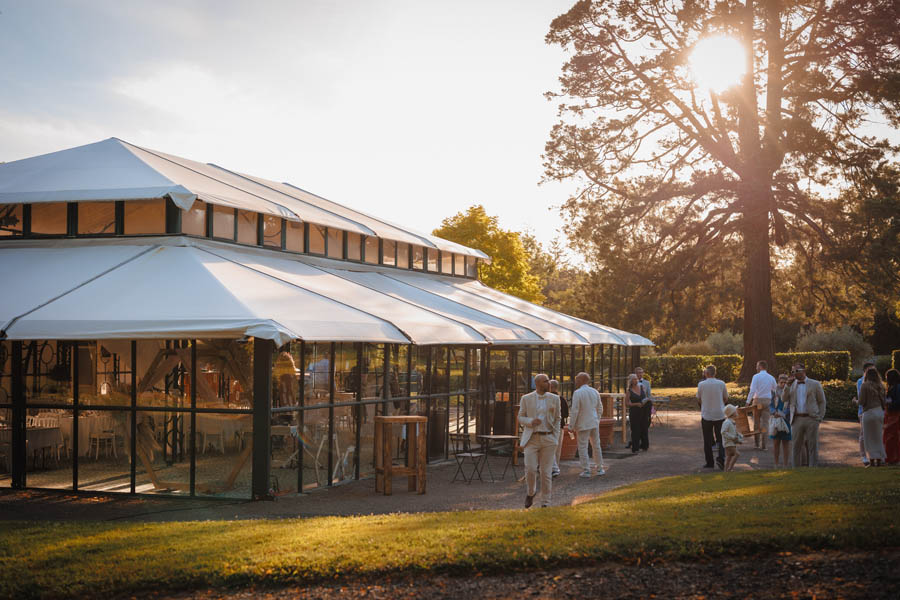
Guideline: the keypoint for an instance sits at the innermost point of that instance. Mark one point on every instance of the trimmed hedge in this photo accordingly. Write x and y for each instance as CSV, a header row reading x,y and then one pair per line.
x,y
839,397
895,359
687,370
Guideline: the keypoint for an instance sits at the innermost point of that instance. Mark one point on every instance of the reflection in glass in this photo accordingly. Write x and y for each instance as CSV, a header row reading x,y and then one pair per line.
x,y
335,243
104,451
48,434
224,462
247,231
145,217
48,371
459,264
96,218
432,259
316,239
389,250
294,241
223,222
403,255
272,231
472,267
371,250
49,218
418,257
354,246
109,380
163,452
11,223
446,263
193,222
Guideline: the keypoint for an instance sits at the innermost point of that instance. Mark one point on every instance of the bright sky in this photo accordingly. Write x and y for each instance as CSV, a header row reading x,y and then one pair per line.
x,y
412,110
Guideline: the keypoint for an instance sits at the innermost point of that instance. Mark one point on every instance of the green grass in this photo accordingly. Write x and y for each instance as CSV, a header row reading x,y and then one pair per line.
x,y
685,398
678,517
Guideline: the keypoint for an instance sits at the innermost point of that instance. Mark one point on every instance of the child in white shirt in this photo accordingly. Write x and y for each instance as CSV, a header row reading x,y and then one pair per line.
x,y
730,437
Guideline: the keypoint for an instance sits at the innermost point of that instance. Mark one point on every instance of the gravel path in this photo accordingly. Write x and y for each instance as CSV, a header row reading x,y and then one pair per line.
x,y
675,449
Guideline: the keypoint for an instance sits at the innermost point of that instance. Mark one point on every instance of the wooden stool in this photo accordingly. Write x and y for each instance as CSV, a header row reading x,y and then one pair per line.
x,y
416,453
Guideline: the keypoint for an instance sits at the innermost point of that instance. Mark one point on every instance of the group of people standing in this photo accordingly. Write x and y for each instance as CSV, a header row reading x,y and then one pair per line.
x,y
789,411
879,416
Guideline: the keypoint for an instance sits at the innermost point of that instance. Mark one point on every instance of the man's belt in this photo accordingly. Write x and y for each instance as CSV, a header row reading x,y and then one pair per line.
x,y
541,432
801,414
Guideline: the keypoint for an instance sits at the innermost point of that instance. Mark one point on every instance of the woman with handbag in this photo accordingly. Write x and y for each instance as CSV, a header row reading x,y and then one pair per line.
x,y
871,400
779,424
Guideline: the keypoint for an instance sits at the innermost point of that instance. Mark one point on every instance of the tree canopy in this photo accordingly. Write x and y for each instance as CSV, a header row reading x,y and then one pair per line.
x,y
683,190
509,270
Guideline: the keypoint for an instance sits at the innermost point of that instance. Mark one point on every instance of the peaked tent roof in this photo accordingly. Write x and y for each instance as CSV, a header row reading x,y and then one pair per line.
x,y
113,169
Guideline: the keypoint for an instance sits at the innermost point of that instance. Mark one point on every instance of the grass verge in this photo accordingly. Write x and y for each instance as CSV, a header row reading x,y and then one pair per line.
x,y
672,518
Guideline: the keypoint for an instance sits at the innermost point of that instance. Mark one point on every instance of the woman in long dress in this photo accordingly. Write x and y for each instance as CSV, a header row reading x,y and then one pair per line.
x,y
871,399
635,398
891,437
781,439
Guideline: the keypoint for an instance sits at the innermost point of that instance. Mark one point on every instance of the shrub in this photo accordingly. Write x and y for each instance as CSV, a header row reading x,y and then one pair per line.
x,y
839,399
821,366
844,338
895,359
691,349
882,363
726,342
687,370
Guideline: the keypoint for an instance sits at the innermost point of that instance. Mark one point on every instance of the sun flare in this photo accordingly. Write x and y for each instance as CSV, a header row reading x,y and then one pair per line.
x,y
717,63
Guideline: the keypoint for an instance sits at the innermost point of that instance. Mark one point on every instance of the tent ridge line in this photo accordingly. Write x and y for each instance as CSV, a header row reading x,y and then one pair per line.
x,y
80,285
511,308
300,287
405,301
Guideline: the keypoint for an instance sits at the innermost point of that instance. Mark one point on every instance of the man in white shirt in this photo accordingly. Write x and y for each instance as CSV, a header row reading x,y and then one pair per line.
x,y
539,415
762,389
712,396
805,400
587,408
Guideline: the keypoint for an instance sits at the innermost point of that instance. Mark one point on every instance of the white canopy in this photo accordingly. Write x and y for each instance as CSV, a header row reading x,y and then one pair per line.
x,y
116,170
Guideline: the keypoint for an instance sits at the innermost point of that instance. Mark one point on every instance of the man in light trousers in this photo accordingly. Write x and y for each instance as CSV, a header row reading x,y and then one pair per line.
x,y
762,388
539,415
805,401
587,408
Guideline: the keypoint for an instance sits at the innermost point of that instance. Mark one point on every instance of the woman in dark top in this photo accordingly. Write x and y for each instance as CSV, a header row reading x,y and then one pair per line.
x,y
634,401
892,418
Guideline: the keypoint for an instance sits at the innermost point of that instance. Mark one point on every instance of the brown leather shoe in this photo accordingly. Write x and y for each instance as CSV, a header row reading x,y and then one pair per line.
x,y
529,500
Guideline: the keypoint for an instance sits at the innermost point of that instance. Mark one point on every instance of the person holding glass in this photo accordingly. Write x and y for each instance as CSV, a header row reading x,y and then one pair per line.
x,y
781,440
871,400
635,400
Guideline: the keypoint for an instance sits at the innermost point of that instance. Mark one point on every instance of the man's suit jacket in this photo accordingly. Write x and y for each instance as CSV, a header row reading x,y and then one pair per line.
x,y
815,399
586,409
528,411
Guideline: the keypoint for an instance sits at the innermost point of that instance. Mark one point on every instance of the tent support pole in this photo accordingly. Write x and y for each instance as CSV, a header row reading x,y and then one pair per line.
x,y
262,417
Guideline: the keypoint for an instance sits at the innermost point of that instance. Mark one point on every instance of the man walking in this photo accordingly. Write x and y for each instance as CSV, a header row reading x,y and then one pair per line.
x,y
587,409
539,414
712,396
762,389
805,400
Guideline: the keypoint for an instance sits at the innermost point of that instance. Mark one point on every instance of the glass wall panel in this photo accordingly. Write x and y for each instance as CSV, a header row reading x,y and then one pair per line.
x,y
432,259
354,246
247,227
458,391
316,373
371,250
335,243
5,447
272,231
224,373
193,222
316,239
163,371
314,433
11,223
224,454
110,381
48,371
96,218
49,218
147,217
471,267
5,372
223,222
459,264
48,437
285,379
403,256
418,255
389,252
446,263
163,452
104,447
294,241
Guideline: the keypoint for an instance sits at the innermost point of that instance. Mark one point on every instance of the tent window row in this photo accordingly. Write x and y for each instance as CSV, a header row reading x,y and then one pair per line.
x,y
163,217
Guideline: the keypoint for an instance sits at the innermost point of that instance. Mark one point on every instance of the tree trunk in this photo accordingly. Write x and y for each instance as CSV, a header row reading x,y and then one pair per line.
x,y
759,328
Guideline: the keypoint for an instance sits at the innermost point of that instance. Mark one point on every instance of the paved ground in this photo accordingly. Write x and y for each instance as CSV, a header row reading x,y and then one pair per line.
x,y
676,449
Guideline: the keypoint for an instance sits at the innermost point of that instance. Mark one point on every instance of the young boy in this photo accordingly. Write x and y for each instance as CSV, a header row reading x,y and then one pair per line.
x,y
730,437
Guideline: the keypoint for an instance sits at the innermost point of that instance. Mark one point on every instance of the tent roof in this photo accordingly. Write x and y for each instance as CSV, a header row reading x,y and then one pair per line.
x,y
181,287
113,169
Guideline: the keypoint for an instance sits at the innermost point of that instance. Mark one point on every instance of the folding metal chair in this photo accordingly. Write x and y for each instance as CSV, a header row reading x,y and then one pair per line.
x,y
463,453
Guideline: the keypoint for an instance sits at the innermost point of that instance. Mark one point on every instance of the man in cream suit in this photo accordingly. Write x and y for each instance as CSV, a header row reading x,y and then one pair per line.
x,y
804,398
539,415
587,408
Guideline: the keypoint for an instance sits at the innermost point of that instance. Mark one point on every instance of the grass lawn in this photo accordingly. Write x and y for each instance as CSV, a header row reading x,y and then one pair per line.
x,y
678,517
685,398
